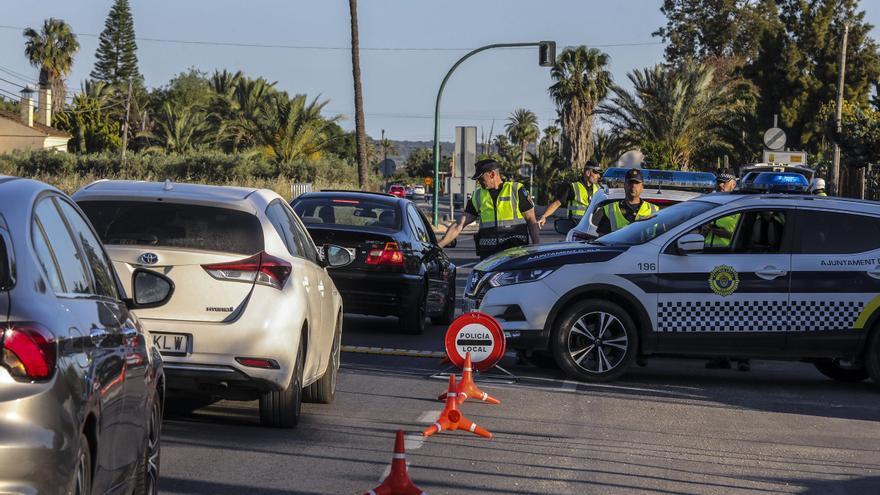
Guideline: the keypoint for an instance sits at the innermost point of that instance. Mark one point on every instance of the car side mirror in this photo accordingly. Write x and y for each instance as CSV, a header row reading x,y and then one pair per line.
x,y
690,244
563,225
149,289
336,256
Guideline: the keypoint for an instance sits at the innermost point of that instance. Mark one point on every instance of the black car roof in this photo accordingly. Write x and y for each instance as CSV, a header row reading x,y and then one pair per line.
x,y
364,195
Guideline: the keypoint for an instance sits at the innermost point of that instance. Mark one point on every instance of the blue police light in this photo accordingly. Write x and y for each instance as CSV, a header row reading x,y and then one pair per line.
x,y
673,179
774,182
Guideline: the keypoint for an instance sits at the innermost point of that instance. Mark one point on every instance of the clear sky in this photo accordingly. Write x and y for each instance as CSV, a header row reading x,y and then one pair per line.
x,y
399,85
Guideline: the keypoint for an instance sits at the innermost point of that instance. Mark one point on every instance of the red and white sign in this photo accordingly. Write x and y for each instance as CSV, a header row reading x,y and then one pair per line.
x,y
479,334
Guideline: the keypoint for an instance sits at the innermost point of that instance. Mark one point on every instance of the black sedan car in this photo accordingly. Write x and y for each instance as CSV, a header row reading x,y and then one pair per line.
x,y
398,269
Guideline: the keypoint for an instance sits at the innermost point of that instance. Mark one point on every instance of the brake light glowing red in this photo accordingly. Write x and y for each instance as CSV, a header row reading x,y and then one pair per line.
x,y
389,255
269,364
29,351
347,201
260,268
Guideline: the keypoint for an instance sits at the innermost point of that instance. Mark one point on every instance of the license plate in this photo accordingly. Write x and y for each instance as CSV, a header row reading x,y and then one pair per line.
x,y
171,344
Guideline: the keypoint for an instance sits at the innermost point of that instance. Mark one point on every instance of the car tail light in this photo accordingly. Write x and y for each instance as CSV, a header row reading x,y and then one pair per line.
x,y
269,364
260,268
29,351
388,255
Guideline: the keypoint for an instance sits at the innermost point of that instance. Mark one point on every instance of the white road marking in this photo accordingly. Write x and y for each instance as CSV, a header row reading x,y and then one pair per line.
x,y
568,386
413,441
468,265
429,417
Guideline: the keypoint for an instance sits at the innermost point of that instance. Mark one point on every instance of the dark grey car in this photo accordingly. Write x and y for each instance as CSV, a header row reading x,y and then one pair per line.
x,y
81,386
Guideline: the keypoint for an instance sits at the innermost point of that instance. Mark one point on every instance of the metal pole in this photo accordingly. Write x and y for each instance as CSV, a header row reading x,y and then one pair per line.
x,y
436,199
835,164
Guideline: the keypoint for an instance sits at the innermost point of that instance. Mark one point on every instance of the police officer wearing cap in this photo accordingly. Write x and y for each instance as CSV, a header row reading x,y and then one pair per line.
x,y
631,208
504,210
720,232
817,187
576,195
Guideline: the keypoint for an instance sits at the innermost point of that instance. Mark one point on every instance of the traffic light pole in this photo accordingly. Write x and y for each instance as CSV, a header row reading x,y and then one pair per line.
x,y
436,218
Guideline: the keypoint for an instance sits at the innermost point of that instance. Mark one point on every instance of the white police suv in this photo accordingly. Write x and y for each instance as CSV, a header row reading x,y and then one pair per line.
x,y
758,273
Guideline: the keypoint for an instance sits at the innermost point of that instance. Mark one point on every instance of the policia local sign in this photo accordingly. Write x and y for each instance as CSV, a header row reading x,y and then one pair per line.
x,y
479,334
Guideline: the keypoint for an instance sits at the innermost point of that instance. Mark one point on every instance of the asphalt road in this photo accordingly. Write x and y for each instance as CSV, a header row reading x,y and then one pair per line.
x,y
671,427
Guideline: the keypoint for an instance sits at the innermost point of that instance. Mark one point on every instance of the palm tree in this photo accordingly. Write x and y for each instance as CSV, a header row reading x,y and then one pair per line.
x,y
177,129
52,50
607,147
672,113
582,82
548,166
295,130
551,136
522,129
362,159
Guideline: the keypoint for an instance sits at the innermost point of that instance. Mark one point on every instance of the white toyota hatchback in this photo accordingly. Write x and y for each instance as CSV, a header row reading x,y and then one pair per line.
x,y
254,314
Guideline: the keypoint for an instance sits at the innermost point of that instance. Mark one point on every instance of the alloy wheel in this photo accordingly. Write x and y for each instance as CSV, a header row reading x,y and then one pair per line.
x,y
597,342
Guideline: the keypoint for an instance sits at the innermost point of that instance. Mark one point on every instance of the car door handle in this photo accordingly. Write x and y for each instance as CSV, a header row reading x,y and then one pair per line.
x,y
98,336
771,272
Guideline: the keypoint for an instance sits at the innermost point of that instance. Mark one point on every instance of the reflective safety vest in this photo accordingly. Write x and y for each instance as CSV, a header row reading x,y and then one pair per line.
x,y
821,194
618,221
727,224
502,225
577,205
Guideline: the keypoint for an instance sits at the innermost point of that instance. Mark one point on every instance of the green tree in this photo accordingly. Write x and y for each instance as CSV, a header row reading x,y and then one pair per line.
x,y
89,120
177,128
116,58
671,114
420,163
522,129
582,82
550,136
549,168
52,50
607,147
295,130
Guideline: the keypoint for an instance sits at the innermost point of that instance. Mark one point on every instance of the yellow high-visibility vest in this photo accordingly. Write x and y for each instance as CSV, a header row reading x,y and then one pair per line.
x,y
618,221
577,205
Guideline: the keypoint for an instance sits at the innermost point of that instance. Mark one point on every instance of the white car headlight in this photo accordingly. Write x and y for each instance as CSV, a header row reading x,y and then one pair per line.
x,y
519,276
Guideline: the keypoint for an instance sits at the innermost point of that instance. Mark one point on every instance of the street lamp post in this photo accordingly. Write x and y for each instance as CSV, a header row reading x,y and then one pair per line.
x,y
546,58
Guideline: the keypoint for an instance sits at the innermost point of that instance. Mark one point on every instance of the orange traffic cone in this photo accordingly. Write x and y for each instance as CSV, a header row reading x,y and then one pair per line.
x,y
397,482
467,389
452,419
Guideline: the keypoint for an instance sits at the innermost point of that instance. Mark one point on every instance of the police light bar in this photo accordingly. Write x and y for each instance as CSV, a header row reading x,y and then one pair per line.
x,y
774,182
671,179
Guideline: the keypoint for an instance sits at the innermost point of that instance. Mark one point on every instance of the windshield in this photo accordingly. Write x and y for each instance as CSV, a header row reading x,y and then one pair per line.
x,y
642,231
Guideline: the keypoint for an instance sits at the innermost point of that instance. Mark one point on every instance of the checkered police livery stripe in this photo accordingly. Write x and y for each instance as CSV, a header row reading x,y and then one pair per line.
x,y
722,316
809,316
757,316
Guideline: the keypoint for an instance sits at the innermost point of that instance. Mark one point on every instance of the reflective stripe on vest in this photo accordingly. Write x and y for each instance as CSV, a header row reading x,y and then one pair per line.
x,y
503,212
618,221
577,205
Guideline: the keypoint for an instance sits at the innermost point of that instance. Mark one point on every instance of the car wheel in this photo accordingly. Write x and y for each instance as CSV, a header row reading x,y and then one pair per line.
x,y
323,391
413,321
282,408
147,475
595,341
448,310
832,368
872,361
83,479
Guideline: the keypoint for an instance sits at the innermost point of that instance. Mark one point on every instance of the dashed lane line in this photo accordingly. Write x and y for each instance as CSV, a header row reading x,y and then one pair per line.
x,y
388,351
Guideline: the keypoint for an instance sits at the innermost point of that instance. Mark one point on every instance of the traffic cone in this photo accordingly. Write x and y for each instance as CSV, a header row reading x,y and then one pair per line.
x,y
452,419
397,482
467,389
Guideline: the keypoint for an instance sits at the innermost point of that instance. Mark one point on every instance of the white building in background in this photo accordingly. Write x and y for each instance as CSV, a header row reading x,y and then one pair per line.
x,y
27,131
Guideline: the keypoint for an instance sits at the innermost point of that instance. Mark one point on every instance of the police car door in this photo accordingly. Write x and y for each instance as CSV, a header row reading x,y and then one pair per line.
x,y
733,296
835,281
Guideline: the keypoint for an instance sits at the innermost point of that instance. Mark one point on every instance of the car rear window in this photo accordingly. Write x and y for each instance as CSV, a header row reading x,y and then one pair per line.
x,y
342,211
175,225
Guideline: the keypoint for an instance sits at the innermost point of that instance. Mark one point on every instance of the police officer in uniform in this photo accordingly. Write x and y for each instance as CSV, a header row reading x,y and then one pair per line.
x,y
576,195
720,232
504,210
817,187
631,208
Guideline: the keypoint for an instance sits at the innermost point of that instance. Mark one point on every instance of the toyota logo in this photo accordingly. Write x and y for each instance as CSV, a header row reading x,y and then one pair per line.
x,y
148,259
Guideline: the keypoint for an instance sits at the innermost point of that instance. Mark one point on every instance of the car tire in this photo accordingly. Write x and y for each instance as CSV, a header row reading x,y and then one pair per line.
x,y
83,474
448,310
872,357
832,369
595,341
323,391
413,321
282,408
146,481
